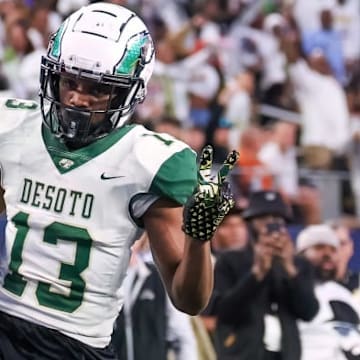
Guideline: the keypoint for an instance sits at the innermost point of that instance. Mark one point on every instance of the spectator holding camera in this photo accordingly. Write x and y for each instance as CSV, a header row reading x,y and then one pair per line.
x,y
260,292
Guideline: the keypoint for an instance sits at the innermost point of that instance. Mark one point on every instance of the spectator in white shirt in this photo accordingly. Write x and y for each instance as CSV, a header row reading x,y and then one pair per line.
x,y
322,102
279,154
236,98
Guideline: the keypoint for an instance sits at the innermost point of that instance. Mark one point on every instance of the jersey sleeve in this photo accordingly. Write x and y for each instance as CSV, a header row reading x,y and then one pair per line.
x,y
13,113
177,176
163,166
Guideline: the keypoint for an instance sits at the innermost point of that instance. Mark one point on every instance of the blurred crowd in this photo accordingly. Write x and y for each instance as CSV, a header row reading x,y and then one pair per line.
x,y
277,297
278,80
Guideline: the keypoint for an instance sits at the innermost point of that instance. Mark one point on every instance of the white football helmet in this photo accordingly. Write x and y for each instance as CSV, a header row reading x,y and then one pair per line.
x,y
104,43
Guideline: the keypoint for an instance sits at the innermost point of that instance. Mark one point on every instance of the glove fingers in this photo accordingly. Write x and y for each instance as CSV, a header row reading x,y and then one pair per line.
x,y
225,206
206,160
208,194
225,191
223,209
229,163
226,199
212,199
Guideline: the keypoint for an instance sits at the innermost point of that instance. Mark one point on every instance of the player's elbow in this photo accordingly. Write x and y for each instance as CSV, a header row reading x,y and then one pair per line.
x,y
192,306
191,310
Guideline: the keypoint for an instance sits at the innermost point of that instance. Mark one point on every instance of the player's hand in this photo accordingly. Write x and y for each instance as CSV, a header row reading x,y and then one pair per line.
x,y
212,199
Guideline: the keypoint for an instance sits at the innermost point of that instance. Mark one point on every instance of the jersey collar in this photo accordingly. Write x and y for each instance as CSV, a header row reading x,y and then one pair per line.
x,y
66,160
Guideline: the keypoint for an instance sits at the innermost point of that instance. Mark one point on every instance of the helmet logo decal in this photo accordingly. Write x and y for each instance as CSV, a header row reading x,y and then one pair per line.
x,y
137,49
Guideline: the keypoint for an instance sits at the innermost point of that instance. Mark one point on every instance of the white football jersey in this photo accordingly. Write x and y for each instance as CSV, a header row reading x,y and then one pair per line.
x,y
70,218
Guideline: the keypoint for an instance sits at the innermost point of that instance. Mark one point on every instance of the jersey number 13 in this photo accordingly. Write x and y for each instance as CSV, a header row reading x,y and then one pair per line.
x,y
15,283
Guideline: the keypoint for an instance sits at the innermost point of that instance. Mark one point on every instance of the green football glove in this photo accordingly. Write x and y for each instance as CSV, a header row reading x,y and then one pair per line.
x,y
212,198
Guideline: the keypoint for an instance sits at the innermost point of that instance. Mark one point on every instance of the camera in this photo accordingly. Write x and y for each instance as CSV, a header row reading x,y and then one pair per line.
x,y
273,227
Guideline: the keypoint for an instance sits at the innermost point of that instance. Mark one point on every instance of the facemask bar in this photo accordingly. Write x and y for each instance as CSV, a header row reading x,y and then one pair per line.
x,y
74,124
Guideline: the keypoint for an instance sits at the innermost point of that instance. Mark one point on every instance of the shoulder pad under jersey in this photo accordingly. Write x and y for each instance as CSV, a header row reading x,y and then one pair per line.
x,y
13,112
171,164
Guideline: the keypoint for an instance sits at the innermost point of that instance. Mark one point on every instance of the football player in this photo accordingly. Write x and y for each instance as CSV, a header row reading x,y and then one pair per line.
x,y
80,183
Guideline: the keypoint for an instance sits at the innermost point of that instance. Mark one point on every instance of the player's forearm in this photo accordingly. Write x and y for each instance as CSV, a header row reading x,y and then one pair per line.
x,y
193,280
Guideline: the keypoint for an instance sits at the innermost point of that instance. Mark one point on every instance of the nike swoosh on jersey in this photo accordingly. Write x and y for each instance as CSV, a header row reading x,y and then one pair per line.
x,y
104,177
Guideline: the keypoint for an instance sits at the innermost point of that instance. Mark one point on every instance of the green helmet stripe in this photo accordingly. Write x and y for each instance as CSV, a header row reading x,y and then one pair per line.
x,y
55,50
129,61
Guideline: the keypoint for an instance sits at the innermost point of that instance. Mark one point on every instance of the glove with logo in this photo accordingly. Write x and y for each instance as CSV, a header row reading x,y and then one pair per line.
x,y
212,198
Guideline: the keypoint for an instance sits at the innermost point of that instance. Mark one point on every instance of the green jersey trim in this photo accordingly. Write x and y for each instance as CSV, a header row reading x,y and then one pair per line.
x,y
21,104
177,177
66,160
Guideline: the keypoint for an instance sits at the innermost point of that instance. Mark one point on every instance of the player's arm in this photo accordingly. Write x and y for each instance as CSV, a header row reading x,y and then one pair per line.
x,y
180,239
2,202
184,264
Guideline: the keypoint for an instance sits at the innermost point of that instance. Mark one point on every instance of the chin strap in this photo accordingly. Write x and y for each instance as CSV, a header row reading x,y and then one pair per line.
x,y
212,198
